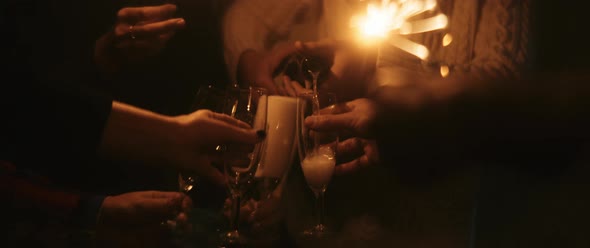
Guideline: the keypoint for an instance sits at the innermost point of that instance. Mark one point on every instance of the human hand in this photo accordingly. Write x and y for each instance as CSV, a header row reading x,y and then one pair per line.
x,y
133,219
201,132
258,68
257,216
356,117
184,142
293,88
139,32
265,216
144,208
355,154
351,67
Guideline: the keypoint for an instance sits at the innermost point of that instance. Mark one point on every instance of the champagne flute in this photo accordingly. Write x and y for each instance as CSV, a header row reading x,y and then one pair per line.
x,y
241,161
207,97
270,178
211,98
317,152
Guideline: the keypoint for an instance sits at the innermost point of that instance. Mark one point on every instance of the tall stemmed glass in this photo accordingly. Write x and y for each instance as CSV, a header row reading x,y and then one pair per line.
x,y
207,97
241,162
317,152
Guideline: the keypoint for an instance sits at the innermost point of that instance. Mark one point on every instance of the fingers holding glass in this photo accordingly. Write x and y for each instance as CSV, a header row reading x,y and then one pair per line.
x,y
355,154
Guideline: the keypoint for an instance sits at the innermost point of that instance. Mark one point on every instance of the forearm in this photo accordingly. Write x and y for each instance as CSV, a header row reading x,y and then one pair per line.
x,y
139,135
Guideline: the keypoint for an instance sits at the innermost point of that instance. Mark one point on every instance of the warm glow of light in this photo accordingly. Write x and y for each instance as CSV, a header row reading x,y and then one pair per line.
x,y
388,19
444,71
429,4
425,25
378,21
447,39
411,47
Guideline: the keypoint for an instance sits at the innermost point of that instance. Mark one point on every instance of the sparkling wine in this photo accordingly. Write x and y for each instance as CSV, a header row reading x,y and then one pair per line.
x,y
318,170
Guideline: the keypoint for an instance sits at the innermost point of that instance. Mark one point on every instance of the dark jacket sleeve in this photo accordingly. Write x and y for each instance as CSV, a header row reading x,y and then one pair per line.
x,y
23,190
47,113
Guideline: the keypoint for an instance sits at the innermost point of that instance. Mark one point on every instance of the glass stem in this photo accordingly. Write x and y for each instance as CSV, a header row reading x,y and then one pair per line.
x,y
235,218
319,203
315,84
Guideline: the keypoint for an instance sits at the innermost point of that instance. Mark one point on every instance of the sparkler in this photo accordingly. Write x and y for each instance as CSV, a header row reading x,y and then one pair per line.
x,y
390,21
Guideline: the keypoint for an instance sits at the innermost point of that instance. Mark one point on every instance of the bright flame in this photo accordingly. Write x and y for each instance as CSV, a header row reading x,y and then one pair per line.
x,y
378,21
389,19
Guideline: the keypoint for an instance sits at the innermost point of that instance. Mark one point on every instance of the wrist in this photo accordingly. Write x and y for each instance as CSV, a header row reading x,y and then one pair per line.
x,y
177,132
173,137
87,213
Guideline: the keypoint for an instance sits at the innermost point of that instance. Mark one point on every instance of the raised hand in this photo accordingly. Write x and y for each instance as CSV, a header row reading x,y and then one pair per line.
x,y
258,68
139,32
